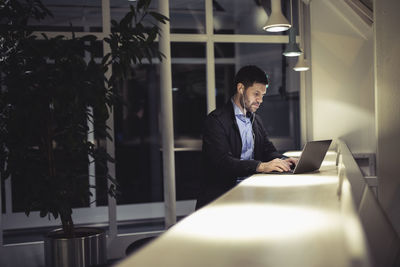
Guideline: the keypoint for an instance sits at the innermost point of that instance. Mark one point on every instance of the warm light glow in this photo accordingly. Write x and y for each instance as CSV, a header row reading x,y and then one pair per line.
x,y
268,180
237,222
297,154
353,230
294,154
277,28
301,68
292,54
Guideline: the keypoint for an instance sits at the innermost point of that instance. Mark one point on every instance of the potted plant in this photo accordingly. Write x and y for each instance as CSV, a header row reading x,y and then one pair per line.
x,y
49,92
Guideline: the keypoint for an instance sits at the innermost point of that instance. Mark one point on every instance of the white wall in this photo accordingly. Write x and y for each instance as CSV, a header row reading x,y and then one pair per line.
x,y
342,76
387,80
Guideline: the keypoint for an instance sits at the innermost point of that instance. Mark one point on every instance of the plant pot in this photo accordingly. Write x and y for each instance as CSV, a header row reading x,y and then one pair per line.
x,y
88,248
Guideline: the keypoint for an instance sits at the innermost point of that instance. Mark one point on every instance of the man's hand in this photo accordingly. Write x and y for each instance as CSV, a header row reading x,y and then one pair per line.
x,y
292,161
280,165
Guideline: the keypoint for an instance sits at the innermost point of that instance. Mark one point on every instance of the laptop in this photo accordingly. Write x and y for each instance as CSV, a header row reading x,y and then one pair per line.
x,y
311,157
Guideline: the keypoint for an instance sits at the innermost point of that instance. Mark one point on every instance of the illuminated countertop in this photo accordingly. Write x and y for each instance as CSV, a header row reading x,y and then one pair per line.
x,y
267,220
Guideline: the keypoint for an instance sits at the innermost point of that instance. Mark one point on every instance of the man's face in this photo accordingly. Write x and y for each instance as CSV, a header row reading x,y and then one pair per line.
x,y
253,96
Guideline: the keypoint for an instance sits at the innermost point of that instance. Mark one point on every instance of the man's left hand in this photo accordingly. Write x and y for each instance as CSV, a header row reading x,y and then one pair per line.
x,y
292,161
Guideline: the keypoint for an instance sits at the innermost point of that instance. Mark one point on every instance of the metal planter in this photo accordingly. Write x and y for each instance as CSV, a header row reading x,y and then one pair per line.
x,y
88,248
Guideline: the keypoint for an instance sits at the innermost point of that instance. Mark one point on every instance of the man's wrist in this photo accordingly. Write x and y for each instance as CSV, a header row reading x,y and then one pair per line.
x,y
258,165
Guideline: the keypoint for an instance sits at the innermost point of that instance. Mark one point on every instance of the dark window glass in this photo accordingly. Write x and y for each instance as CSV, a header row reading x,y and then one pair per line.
x,y
101,196
189,98
188,174
136,124
137,146
3,197
97,49
187,16
80,14
224,50
188,50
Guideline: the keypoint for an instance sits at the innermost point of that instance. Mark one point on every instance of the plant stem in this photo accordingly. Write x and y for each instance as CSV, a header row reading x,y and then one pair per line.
x,y
67,225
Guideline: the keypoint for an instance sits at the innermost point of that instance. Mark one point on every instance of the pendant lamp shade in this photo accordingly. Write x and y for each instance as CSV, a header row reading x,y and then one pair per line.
x,y
292,49
302,64
277,21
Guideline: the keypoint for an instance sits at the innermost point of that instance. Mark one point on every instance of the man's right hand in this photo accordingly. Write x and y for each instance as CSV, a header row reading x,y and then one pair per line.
x,y
274,165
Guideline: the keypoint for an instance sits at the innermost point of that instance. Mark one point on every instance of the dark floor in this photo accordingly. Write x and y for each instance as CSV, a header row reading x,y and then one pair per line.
x,y
37,234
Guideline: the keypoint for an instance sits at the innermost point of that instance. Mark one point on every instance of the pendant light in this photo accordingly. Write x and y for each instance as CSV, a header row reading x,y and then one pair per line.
x,y
292,49
276,21
302,63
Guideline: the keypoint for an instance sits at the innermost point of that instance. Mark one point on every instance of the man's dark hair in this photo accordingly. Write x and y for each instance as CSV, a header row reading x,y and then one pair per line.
x,y
248,75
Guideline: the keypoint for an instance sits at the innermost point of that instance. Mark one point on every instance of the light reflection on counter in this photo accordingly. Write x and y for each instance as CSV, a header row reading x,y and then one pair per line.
x,y
297,154
289,181
274,222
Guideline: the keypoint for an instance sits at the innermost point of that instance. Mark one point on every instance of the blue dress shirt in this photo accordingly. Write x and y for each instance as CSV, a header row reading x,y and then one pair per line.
x,y
246,133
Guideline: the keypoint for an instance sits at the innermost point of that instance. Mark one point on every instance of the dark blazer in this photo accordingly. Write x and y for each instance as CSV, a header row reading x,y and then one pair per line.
x,y
222,146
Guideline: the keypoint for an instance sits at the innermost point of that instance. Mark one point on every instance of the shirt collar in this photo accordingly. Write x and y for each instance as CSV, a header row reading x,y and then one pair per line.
x,y
238,113
236,109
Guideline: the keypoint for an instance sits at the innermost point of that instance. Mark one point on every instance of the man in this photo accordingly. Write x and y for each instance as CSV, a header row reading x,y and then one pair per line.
x,y
235,143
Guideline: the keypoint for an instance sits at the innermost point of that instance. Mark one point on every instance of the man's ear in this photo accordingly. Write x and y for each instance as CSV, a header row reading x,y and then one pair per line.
x,y
240,88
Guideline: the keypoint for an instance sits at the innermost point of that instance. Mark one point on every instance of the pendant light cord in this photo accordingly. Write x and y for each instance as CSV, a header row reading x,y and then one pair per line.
x,y
291,13
301,28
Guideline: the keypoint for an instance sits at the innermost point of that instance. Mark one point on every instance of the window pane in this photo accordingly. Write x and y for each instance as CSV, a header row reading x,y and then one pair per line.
x,y
188,173
280,109
189,100
188,50
137,146
187,16
246,16
81,14
189,97
101,195
3,197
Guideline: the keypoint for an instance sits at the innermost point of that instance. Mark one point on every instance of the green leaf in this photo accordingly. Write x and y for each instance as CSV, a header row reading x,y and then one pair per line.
x,y
141,3
159,17
105,58
88,38
55,214
43,213
112,179
114,23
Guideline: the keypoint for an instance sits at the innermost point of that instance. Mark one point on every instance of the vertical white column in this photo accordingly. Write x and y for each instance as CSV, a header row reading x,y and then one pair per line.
x,y
167,124
211,103
112,203
387,108
306,115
